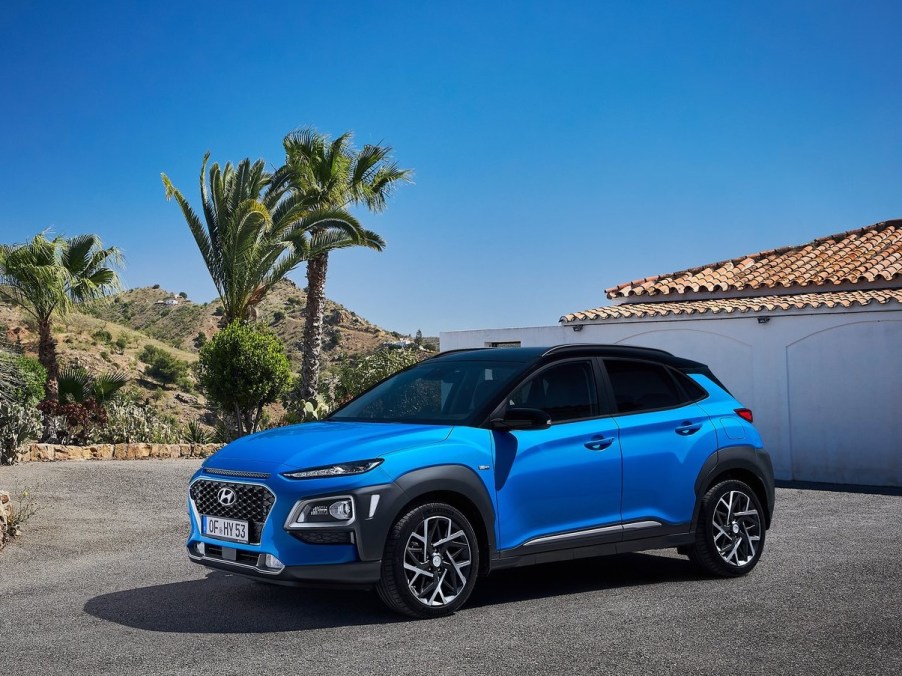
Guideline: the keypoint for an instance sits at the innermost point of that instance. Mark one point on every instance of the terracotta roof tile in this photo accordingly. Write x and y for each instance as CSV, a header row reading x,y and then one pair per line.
x,y
739,305
864,255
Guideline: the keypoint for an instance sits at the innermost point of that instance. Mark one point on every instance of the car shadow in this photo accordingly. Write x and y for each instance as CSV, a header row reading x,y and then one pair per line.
x,y
582,575
221,603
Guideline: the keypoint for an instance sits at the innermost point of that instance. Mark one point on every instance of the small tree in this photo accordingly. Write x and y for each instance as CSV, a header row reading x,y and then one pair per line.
x,y
242,369
163,365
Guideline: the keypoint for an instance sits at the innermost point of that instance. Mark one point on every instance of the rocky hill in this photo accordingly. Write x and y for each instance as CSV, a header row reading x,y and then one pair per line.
x,y
178,321
110,335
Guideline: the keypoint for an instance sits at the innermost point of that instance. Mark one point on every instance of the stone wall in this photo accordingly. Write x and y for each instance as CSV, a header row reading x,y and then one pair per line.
x,y
39,452
6,516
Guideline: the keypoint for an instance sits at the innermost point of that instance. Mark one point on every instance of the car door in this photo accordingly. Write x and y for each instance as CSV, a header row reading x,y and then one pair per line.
x,y
551,482
665,439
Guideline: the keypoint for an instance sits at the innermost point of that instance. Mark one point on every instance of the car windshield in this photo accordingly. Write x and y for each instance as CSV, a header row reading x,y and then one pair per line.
x,y
433,393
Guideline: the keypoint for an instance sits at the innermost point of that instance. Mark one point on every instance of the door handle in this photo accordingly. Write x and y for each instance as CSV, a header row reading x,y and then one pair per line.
x,y
688,428
599,444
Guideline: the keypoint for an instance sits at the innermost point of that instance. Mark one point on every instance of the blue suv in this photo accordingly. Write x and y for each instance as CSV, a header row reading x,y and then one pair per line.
x,y
478,460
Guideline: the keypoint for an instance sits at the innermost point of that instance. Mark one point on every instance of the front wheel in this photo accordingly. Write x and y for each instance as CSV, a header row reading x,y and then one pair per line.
x,y
430,563
729,537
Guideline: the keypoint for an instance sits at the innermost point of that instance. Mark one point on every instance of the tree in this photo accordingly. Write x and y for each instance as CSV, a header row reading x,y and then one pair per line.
x,y
330,174
242,369
253,232
47,277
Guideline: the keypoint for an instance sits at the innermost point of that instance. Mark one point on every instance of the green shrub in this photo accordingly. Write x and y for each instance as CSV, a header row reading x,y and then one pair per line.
x,y
102,336
121,342
18,424
278,316
196,433
242,369
131,422
162,365
33,376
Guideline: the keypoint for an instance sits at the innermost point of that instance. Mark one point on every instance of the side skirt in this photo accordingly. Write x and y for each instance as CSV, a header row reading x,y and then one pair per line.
x,y
522,556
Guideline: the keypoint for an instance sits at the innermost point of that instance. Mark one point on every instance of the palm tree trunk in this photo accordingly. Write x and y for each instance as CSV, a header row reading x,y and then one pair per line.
x,y
47,357
313,326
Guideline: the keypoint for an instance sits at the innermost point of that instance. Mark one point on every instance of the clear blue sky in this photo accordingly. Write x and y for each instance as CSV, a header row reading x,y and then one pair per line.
x,y
559,147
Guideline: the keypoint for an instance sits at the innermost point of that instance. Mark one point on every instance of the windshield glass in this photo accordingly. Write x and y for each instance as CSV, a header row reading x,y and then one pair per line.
x,y
433,392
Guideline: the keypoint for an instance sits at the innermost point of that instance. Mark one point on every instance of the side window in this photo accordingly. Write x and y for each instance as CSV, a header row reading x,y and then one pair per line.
x,y
566,392
693,390
642,386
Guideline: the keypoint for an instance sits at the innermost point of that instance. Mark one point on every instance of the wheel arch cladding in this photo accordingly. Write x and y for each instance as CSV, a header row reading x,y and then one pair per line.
x,y
741,463
460,487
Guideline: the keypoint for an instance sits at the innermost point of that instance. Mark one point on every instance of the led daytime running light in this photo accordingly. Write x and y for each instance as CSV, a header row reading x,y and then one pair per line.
x,y
341,469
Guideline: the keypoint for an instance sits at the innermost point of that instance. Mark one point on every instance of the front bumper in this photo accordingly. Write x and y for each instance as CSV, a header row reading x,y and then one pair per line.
x,y
292,560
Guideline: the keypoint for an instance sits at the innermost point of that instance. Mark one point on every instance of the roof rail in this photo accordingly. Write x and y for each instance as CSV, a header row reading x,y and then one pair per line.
x,y
460,349
582,346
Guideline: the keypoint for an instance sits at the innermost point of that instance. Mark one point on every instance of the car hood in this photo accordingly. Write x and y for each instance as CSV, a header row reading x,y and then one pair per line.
x,y
322,443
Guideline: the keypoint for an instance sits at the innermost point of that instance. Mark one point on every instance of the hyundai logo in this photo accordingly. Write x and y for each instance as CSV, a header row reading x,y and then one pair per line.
x,y
226,497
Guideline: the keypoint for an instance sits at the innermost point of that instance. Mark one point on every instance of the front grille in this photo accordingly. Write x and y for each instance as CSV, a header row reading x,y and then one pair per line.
x,y
236,473
252,504
323,537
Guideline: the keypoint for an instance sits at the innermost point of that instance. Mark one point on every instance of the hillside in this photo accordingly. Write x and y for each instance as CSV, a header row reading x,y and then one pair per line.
x,y
178,325
109,336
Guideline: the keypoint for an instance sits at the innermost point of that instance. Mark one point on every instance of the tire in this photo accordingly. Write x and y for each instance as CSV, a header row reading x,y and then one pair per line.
x,y
729,537
439,545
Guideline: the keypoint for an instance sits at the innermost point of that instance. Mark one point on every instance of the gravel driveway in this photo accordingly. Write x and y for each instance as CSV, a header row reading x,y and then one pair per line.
x,y
100,584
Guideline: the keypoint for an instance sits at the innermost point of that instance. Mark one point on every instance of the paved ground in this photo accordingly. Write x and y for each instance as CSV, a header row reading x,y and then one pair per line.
x,y
100,584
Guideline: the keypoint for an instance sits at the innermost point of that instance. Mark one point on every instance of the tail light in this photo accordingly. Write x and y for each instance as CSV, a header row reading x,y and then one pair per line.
x,y
745,414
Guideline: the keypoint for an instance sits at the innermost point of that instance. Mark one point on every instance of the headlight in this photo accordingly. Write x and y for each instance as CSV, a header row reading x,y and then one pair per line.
x,y
343,469
320,512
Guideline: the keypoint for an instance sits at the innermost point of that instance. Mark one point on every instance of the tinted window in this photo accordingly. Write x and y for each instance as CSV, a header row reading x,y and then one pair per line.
x,y
433,392
641,386
693,390
565,392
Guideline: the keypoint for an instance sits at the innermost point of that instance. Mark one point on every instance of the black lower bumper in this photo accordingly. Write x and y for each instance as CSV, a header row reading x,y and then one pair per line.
x,y
356,574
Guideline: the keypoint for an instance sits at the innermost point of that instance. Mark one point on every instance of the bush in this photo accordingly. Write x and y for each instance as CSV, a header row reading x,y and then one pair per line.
x,y
162,365
121,342
102,336
22,378
278,316
242,369
130,422
360,374
74,423
33,376
18,424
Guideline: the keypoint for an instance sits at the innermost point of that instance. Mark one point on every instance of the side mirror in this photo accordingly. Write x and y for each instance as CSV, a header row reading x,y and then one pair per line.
x,y
522,419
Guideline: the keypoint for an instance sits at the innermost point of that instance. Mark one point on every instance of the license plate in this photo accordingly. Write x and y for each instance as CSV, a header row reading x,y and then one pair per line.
x,y
225,529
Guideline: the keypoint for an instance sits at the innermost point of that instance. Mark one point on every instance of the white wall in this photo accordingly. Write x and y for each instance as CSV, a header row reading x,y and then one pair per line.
x,y
825,386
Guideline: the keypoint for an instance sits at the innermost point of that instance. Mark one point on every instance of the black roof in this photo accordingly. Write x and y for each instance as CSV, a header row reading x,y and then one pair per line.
x,y
526,355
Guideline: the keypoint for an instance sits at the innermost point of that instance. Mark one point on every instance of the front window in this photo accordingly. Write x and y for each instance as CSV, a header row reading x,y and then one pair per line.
x,y
433,392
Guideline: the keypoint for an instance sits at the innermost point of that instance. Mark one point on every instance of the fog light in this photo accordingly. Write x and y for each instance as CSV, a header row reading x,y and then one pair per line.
x,y
271,561
199,548
340,510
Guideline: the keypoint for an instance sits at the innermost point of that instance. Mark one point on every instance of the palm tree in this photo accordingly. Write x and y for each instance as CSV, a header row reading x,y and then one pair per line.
x,y
47,277
253,230
331,174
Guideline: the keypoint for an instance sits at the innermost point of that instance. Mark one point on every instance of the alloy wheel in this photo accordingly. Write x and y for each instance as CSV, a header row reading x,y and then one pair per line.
x,y
437,561
736,528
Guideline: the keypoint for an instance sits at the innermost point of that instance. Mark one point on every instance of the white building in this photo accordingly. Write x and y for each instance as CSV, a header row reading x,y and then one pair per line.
x,y
809,337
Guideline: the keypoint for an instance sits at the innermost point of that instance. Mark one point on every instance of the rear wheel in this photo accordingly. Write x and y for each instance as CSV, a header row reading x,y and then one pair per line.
x,y
729,537
430,562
